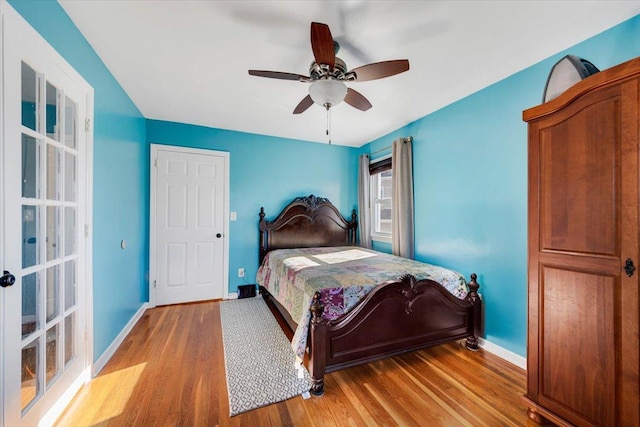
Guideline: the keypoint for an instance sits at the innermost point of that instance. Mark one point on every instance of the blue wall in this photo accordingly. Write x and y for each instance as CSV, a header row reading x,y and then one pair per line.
x,y
470,182
266,172
121,207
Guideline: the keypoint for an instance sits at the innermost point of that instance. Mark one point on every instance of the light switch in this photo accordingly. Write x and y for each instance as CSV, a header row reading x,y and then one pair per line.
x,y
234,216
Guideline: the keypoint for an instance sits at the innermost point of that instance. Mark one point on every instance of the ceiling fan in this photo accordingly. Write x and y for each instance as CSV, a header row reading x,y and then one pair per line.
x,y
328,74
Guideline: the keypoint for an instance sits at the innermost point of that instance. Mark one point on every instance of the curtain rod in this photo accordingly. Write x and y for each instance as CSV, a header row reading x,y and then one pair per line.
x,y
407,139
382,149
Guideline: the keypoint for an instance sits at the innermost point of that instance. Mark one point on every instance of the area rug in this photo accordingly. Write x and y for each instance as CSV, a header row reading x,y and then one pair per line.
x,y
258,358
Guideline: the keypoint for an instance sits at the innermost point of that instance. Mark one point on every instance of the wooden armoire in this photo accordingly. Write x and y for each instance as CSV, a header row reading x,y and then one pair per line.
x,y
583,347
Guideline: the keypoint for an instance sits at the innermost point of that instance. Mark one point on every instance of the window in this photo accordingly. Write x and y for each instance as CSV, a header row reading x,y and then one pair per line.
x,y
381,199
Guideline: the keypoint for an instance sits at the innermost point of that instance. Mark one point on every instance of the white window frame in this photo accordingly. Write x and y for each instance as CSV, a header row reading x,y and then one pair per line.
x,y
374,187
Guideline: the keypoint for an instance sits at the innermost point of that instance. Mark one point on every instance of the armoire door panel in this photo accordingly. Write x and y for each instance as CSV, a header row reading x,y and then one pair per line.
x,y
579,185
577,343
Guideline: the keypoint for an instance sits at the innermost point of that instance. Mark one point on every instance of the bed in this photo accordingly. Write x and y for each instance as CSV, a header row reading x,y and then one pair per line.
x,y
405,311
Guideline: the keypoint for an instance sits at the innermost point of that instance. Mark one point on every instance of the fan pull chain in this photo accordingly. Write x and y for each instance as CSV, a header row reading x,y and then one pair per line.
x,y
328,107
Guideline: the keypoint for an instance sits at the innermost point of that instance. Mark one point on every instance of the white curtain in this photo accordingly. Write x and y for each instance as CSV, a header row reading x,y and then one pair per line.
x,y
364,202
402,243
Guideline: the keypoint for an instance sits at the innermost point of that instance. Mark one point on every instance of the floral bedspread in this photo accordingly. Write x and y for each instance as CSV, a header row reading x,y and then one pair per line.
x,y
343,275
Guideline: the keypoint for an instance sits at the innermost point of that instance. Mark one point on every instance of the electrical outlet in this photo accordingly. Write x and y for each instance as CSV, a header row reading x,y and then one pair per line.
x,y
241,272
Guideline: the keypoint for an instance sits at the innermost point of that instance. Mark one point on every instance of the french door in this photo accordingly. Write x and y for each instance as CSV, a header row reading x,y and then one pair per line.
x,y
45,210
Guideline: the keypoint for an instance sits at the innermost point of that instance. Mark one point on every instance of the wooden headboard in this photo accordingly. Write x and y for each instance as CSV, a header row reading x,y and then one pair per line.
x,y
304,223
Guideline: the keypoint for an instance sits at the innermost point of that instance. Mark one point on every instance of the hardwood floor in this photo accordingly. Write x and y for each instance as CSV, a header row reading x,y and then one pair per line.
x,y
170,372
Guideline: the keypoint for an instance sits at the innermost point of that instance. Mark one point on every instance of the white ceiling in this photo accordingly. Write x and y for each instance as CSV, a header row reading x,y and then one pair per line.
x,y
187,61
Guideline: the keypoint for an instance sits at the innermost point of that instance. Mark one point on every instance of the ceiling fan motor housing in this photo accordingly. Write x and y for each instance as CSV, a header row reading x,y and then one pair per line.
x,y
339,71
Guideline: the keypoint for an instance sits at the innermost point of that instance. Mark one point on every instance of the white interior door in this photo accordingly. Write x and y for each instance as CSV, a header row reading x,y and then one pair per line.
x,y
189,243
45,197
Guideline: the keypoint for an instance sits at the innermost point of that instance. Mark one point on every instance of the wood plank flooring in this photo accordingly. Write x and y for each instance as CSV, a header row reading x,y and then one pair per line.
x,y
169,371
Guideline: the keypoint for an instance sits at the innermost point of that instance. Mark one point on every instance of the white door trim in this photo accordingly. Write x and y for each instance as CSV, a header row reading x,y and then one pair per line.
x,y
152,213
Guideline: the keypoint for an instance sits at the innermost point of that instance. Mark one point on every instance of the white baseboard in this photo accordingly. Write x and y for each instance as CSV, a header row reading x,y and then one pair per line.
x,y
231,295
503,353
111,350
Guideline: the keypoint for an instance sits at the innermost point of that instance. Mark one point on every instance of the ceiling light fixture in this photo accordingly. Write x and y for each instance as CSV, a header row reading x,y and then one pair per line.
x,y
327,93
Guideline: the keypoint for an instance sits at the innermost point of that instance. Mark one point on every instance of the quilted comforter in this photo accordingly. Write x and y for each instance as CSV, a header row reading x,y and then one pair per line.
x,y
343,275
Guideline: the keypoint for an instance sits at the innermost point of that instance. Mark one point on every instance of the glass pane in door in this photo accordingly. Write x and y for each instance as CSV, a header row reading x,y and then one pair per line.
x,y
69,341
29,373
69,122
69,284
30,235
54,170
70,186
53,292
70,235
29,97
30,169
30,312
52,338
53,232
52,111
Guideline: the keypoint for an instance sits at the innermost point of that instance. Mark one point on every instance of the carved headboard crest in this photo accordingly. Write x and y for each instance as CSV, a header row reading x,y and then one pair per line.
x,y
312,202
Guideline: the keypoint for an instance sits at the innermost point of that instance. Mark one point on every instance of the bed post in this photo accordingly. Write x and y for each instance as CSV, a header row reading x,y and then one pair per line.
x,y
353,228
474,298
263,245
318,351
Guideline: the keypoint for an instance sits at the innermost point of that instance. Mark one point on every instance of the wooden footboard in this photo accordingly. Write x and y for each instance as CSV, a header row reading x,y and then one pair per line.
x,y
396,317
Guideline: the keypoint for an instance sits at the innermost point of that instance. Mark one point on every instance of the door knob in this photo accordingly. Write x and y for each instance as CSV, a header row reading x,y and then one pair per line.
x,y
7,279
218,235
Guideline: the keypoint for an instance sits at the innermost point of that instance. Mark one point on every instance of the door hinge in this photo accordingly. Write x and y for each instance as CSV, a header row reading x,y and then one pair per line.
x,y
154,283
87,125
86,230
155,162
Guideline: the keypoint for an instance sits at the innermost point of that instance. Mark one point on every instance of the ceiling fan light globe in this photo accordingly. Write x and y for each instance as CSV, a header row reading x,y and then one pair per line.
x,y
331,92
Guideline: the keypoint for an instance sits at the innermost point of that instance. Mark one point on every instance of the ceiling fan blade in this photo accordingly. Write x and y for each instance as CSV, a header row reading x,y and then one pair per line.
x,y
303,105
279,75
380,70
322,44
357,100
